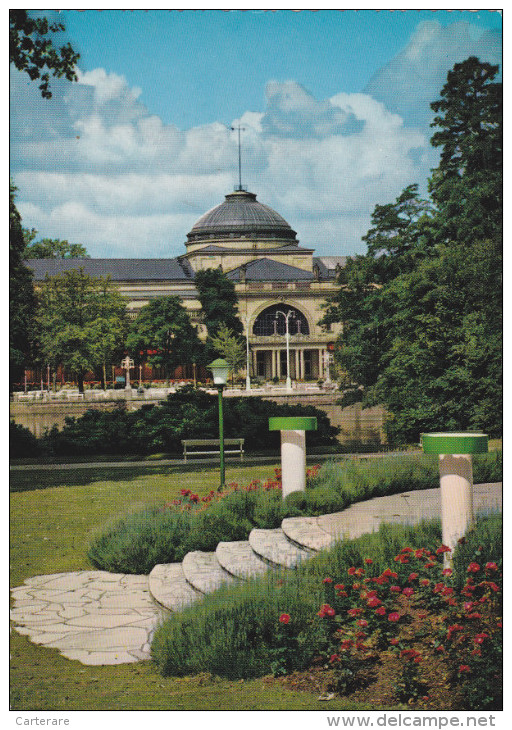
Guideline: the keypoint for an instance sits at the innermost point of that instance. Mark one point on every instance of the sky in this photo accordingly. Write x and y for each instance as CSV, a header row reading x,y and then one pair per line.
x,y
334,107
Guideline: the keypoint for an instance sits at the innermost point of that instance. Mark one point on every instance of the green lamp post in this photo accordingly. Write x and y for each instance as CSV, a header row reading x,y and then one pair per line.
x,y
220,371
456,481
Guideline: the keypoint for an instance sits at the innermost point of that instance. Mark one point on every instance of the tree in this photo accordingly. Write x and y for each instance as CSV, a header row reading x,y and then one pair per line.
x,y
397,241
81,322
467,185
219,304
422,310
32,51
229,346
51,248
163,334
22,302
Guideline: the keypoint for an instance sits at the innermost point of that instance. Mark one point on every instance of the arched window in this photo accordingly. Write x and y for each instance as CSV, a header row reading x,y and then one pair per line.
x,y
269,322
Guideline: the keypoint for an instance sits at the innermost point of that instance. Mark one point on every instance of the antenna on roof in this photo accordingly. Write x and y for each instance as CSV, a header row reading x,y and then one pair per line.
x,y
240,129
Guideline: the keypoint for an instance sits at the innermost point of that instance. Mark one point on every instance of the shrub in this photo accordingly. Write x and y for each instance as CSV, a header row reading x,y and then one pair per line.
x,y
348,605
22,442
233,514
188,413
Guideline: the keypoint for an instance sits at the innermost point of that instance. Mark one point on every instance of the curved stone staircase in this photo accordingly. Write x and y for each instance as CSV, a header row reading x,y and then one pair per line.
x,y
176,585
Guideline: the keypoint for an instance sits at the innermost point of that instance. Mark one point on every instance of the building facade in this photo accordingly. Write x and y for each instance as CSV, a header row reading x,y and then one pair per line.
x,y
281,286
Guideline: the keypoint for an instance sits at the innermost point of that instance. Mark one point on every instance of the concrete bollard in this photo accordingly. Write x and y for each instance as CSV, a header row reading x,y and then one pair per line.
x,y
293,449
456,481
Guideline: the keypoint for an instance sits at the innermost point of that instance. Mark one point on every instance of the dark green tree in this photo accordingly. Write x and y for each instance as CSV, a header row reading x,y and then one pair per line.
x,y
397,241
422,310
51,248
31,50
81,323
219,305
22,302
467,184
163,335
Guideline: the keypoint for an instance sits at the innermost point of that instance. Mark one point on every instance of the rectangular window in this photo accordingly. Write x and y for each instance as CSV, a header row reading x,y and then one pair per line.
x,y
302,285
278,285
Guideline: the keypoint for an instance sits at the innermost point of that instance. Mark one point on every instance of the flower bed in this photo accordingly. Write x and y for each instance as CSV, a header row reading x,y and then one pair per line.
x,y
359,623
164,534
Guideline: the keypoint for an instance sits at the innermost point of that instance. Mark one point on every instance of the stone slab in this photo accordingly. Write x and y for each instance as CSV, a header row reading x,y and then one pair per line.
x,y
204,572
169,587
239,559
273,546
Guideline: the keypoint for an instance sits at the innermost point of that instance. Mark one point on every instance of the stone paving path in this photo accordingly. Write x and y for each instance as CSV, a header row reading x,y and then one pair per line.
x,y
93,616
97,617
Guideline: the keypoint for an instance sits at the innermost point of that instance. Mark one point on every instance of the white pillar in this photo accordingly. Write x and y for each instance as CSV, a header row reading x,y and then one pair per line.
x,y
457,515
302,368
320,353
293,461
297,365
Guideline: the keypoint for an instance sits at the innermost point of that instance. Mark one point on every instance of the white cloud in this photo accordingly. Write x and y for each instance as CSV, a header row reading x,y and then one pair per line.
x,y
95,167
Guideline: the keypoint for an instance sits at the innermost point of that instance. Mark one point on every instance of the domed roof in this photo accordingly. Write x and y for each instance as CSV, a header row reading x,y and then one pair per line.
x,y
241,215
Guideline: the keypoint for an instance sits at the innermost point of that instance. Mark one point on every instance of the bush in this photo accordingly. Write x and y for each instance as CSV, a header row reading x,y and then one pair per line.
x,y
393,597
140,541
22,442
188,413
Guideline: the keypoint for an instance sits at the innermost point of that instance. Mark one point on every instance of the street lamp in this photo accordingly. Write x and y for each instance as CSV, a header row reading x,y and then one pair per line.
x,y
220,370
126,364
287,316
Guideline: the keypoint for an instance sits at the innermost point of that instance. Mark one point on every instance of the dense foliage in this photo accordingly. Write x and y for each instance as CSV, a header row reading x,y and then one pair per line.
x,y
22,301
422,309
163,335
219,305
188,413
81,322
51,248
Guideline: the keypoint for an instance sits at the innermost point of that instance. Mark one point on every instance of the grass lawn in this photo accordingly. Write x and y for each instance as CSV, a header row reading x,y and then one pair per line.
x,y
53,515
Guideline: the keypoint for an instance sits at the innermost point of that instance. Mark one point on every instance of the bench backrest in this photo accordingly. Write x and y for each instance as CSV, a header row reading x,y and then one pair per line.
x,y
211,442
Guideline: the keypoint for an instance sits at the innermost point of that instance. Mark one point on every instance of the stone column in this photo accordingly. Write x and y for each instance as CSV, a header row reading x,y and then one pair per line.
x,y
293,450
456,482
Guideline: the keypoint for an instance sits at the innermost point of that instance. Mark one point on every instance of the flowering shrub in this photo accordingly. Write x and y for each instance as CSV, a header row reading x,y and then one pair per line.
x,y
414,609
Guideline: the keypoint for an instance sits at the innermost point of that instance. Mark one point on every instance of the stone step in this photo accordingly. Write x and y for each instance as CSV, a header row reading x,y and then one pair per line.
x,y
204,572
274,547
305,532
169,587
239,559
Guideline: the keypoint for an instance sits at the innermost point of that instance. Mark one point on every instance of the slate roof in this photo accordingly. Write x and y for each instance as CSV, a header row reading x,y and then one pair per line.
x,y
269,270
118,269
327,265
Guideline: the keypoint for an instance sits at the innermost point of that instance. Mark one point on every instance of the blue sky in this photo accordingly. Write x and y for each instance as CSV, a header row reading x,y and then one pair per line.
x,y
335,107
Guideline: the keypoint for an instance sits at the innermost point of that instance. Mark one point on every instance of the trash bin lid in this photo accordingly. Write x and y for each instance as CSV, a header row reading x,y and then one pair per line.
x,y
292,423
454,443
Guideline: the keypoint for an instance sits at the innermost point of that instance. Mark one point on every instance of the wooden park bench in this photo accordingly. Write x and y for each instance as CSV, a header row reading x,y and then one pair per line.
x,y
190,447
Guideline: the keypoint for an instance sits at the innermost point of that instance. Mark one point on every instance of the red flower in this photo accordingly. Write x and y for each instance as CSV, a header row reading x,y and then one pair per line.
x,y
443,549
327,580
447,571
351,571
284,618
424,582
408,592
368,561
373,602
362,623
480,638
452,629
334,658
326,610
394,617
381,611
464,668
411,655
412,577
394,642
491,566
395,589
339,587
473,568
355,611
